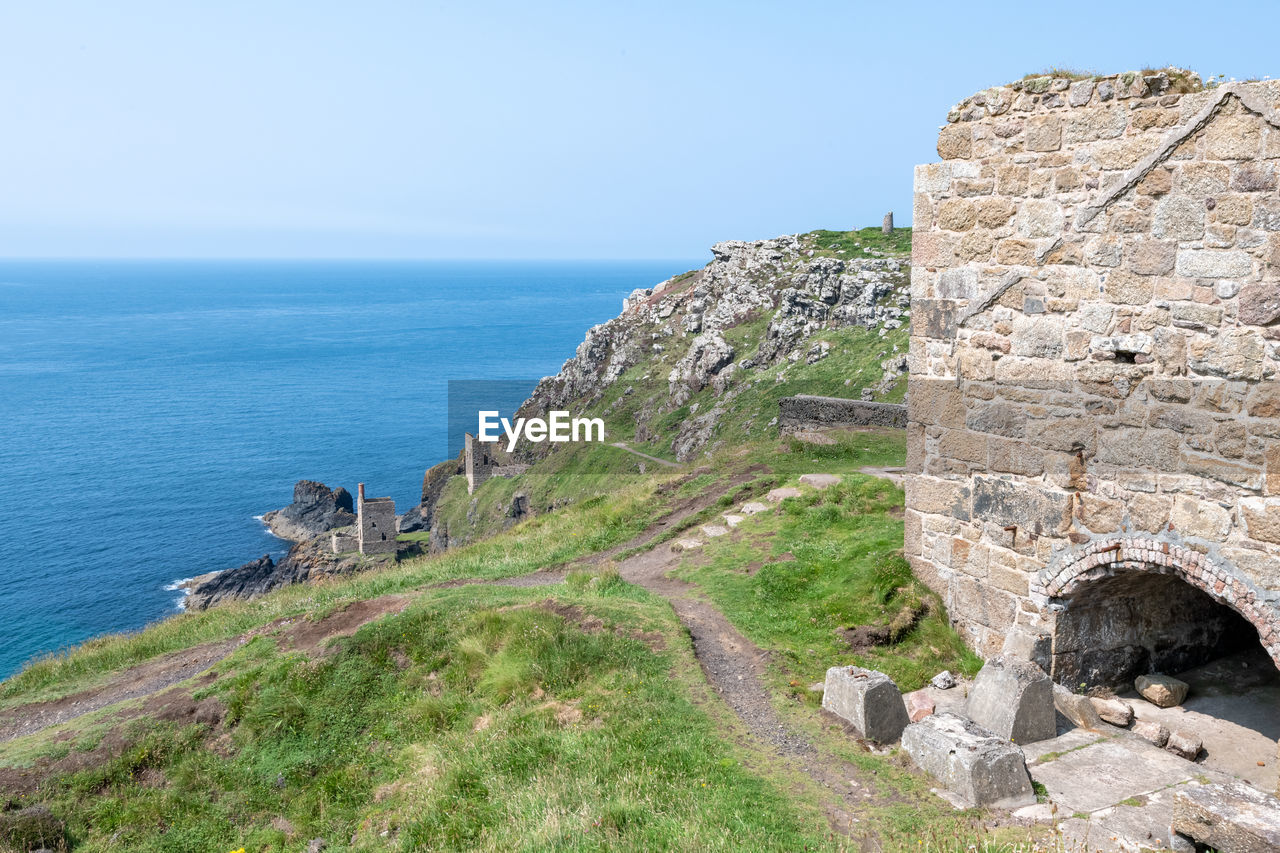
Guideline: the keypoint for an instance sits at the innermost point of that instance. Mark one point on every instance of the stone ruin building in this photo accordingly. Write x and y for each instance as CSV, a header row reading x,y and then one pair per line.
x,y
480,463
375,528
1094,408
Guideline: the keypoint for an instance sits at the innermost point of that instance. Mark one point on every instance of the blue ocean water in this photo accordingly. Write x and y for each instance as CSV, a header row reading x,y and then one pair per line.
x,y
150,410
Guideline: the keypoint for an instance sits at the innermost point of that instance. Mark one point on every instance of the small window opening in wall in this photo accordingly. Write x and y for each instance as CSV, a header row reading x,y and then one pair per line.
x,y
1126,357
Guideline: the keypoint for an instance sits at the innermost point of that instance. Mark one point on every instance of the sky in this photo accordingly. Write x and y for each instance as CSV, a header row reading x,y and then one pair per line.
x,y
497,130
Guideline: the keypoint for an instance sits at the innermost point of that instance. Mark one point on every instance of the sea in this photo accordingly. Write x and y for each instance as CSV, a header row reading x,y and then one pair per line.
x,y
152,411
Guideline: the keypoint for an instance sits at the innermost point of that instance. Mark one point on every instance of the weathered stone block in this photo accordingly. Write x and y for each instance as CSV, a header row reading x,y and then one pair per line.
x,y
1213,263
956,214
1262,519
1013,699
982,769
1164,691
1076,708
1117,712
1198,518
1009,503
1044,133
1259,304
868,700
955,142
1184,745
933,318
1234,816
1152,732
1128,288
1232,138
1151,257
919,705
1040,219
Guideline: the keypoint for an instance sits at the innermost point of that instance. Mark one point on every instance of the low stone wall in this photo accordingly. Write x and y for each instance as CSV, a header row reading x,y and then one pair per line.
x,y
805,411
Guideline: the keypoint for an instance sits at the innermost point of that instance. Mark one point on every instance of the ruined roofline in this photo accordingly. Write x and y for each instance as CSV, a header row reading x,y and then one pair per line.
x,y
1035,94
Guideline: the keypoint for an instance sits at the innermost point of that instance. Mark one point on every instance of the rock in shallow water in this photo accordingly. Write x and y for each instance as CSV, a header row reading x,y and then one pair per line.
x,y
315,509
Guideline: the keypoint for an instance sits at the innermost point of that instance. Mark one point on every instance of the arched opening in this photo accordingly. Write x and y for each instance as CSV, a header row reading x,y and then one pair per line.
x,y
1131,623
1129,607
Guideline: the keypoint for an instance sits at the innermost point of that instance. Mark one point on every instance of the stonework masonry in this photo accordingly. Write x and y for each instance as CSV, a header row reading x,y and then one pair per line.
x,y
481,463
1093,401
375,524
806,411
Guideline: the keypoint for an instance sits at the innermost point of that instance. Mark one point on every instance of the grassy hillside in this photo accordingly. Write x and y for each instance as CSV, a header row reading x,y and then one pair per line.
x,y
520,692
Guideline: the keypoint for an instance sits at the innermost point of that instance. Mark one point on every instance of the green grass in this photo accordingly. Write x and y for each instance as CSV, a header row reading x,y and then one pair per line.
x,y
855,244
475,720
543,541
830,560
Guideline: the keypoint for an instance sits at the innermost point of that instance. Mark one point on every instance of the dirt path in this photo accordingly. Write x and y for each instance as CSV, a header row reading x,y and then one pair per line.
x,y
667,462
157,675
736,668
140,681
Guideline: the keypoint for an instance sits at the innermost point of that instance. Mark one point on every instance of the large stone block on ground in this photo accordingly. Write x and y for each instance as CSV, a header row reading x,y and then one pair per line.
x,y
967,760
1234,817
1013,699
1161,690
868,700
1076,708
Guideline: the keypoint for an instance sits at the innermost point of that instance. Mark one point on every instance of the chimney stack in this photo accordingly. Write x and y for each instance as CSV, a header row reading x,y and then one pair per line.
x,y
887,227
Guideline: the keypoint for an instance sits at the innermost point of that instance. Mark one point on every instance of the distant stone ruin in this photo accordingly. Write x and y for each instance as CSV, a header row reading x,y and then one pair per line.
x,y
808,412
375,528
481,463
1094,411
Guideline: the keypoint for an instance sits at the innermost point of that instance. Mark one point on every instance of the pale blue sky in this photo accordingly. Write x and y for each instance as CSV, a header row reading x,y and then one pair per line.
x,y
517,130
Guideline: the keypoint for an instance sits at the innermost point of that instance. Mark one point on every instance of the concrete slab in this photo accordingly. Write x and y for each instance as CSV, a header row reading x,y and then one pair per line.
x,y
732,520
1102,774
714,530
1234,708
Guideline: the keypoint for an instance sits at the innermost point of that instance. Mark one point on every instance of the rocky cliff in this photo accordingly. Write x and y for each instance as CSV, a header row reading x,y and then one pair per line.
x,y
315,509
757,308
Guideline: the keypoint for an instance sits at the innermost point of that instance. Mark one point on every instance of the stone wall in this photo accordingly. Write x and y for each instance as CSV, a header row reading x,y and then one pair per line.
x,y
1095,296
481,462
805,411
375,524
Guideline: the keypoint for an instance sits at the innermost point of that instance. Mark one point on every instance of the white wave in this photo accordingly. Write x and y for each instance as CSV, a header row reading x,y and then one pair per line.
x,y
176,585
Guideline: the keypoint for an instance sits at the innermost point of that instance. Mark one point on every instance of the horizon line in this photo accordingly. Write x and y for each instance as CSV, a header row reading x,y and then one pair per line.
x,y
335,258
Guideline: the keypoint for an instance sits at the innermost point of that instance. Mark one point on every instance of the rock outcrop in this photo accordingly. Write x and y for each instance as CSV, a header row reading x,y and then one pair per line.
x,y
315,509
681,330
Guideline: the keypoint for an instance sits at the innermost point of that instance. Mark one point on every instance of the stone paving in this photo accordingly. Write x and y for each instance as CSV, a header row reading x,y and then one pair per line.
x,y
1114,791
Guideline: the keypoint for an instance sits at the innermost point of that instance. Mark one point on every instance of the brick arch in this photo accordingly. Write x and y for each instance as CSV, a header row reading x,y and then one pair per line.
x,y
1107,557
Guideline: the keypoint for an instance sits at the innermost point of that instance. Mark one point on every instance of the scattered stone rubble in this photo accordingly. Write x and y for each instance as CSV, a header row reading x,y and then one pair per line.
x,y
1161,690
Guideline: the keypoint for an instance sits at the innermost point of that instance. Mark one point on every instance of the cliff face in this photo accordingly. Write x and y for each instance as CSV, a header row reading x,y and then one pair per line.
x,y
755,308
